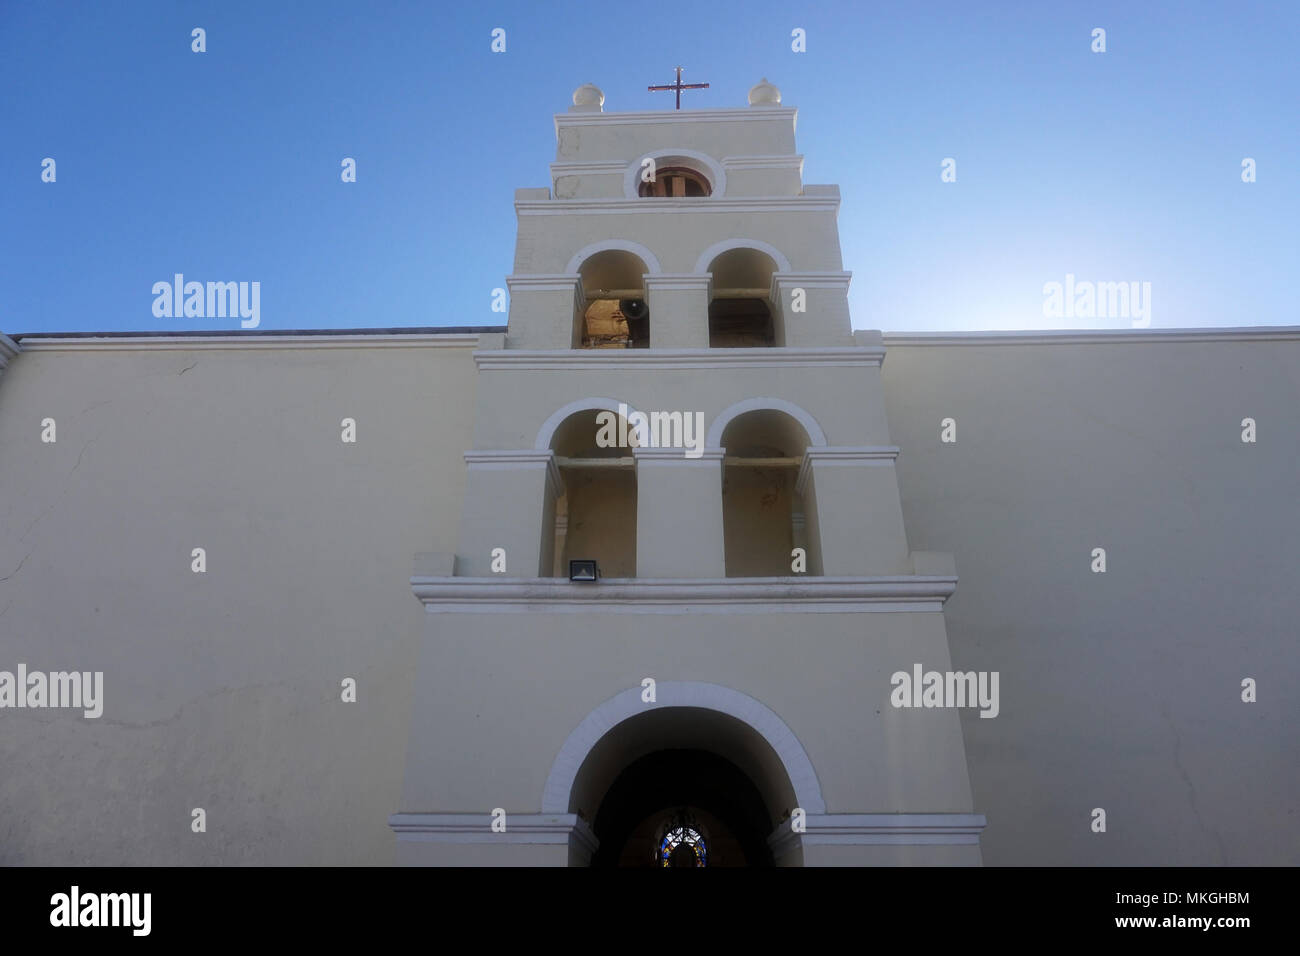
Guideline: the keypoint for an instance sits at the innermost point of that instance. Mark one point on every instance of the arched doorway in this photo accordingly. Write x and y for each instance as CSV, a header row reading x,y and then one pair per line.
x,y
682,808
632,769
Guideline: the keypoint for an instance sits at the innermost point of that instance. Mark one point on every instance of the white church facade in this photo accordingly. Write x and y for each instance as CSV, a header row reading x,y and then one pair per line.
x,y
676,568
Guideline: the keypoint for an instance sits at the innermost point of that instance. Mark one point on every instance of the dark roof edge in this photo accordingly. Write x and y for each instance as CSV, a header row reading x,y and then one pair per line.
x,y
268,333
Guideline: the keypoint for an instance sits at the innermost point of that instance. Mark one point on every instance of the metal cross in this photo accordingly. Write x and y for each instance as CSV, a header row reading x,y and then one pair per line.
x,y
679,86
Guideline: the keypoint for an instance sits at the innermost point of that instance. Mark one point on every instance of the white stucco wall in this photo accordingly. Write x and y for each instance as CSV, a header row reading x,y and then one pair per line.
x,y
1119,690
222,689
499,693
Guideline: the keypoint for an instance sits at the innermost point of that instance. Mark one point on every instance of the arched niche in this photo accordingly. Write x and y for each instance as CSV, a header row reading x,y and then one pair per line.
x,y
595,513
809,424
764,517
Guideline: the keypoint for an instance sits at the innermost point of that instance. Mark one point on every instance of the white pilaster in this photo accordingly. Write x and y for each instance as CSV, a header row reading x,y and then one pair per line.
x,y
859,515
679,514
824,319
679,310
509,503
544,311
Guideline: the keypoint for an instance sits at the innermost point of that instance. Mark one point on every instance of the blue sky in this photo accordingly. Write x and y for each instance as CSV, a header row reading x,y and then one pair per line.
x,y
1118,166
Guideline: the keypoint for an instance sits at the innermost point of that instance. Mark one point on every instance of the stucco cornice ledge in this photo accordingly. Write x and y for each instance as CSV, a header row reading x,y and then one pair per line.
x,y
783,161
1279,333
8,349
554,282
894,593
528,828
251,339
678,281
573,167
516,459
812,280
825,456
676,117
672,206
890,829
605,359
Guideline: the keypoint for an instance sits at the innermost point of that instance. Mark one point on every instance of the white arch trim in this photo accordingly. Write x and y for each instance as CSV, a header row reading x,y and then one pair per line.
x,y
621,245
702,162
726,245
547,432
564,771
815,434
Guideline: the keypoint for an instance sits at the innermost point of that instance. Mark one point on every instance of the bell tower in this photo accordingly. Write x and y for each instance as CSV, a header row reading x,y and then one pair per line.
x,y
680,398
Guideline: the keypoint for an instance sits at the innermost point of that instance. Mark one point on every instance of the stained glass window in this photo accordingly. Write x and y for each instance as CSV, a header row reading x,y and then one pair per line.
x,y
680,844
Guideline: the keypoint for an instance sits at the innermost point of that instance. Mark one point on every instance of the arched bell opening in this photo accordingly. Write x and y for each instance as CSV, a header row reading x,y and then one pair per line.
x,y
741,313
615,313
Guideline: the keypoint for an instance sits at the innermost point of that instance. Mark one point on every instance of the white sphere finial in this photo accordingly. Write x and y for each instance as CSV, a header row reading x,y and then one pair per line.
x,y
764,93
588,98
